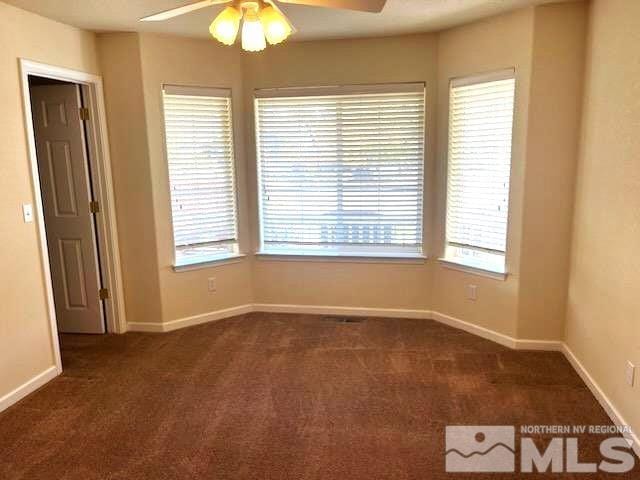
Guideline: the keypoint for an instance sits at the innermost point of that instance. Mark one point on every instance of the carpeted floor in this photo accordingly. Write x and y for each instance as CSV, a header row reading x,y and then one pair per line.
x,y
273,396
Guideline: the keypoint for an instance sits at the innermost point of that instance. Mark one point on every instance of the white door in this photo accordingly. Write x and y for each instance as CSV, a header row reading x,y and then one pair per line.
x,y
66,196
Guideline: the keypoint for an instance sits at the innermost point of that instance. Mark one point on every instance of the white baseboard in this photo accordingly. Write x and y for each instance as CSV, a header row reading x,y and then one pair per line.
x,y
146,327
189,321
28,387
332,310
602,397
542,345
502,339
483,332
494,336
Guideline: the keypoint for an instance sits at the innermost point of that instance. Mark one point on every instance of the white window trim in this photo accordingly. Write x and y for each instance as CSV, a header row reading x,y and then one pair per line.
x,y
201,263
342,258
195,91
205,261
494,76
336,255
473,270
321,91
455,264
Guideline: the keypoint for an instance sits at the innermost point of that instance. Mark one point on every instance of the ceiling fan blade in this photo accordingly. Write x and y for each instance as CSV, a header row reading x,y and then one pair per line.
x,y
373,6
174,12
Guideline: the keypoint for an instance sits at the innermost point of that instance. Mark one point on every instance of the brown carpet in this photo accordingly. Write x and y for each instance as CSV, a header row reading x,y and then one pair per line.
x,y
272,396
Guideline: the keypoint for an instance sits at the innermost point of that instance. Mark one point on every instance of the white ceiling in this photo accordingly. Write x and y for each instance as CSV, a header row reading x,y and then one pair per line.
x,y
398,16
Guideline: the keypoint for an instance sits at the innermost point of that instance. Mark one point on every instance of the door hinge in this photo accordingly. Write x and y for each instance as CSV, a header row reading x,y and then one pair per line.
x,y
84,113
103,293
94,206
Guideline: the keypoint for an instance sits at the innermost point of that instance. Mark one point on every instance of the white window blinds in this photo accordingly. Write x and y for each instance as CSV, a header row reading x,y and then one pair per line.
x,y
479,163
199,142
341,170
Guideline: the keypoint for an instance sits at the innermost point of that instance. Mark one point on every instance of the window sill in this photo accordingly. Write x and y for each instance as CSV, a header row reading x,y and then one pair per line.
x,y
472,269
210,262
411,258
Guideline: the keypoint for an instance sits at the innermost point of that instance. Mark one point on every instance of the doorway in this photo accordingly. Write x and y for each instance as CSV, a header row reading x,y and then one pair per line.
x,y
74,207
66,186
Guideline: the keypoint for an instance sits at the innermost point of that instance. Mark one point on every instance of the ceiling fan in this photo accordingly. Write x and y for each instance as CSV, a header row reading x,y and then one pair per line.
x,y
263,21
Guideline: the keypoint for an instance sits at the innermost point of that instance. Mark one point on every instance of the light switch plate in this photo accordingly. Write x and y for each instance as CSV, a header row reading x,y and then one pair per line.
x,y
27,212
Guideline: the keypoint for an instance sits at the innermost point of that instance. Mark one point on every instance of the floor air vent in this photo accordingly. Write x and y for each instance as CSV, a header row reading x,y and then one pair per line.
x,y
339,319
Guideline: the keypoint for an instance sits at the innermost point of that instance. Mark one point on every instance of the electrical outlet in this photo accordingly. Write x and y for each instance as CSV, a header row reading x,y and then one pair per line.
x,y
630,373
212,284
472,292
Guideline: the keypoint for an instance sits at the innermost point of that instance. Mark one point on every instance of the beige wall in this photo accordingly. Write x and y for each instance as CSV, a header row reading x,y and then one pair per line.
x,y
183,61
124,101
603,314
135,68
25,342
490,45
545,46
557,69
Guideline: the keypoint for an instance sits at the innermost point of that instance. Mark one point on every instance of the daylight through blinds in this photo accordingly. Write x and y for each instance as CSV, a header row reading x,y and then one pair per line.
x,y
479,163
342,172
201,171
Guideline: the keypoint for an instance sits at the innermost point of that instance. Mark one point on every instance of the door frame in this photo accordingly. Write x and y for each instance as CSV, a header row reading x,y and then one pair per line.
x,y
100,162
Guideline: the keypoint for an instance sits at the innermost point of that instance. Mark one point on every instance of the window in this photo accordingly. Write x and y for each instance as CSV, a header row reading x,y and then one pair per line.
x,y
199,141
479,164
341,170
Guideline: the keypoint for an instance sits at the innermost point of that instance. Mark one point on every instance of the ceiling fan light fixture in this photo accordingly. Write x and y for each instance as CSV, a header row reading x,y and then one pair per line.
x,y
226,25
252,33
276,26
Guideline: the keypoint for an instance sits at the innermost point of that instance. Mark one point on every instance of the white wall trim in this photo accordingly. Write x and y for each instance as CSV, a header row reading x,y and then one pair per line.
x,y
333,310
28,387
602,397
107,224
502,339
189,321
148,327
542,345
468,327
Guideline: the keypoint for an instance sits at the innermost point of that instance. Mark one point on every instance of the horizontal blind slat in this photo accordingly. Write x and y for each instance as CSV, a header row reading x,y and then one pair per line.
x,y
341,169
201,171
480,131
